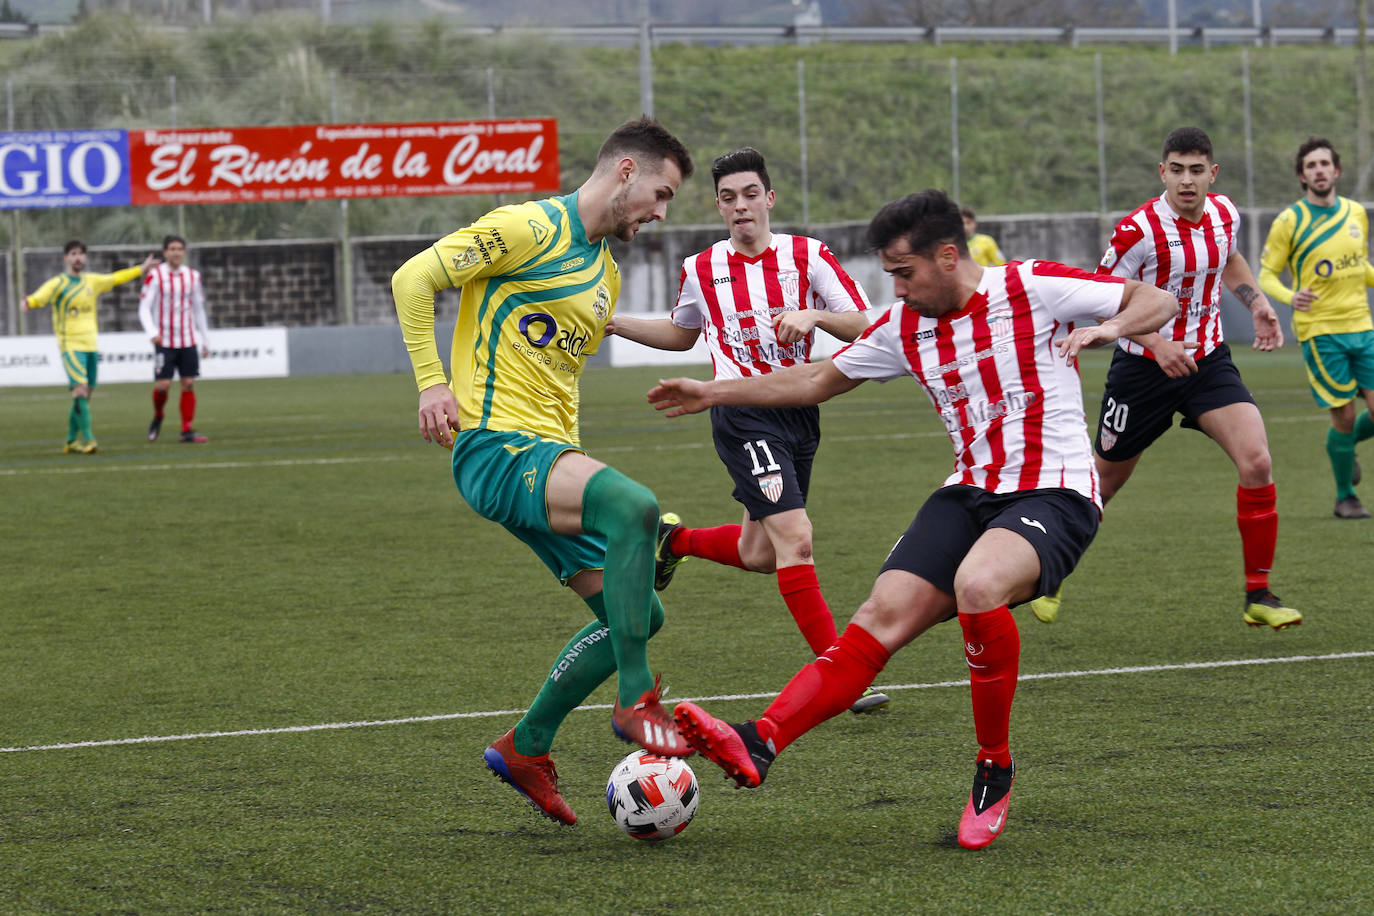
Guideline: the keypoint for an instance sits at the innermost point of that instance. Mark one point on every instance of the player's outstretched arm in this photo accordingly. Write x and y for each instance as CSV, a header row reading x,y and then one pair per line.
x,y
797,386
1144,309
659,333
1240,280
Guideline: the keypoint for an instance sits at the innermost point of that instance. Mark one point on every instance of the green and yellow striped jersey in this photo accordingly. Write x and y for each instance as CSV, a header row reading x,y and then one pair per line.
x,y
73,301
535,299
1324,249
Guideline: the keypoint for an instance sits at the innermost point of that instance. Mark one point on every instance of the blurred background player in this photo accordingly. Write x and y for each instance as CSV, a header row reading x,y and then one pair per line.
x,y
1323,242
72,295
758,297
1186,242
538,285
992,349
981,247
171,309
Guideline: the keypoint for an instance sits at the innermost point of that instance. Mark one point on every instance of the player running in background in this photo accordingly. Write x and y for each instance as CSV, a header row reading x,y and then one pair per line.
x,y
171,309
72,295
1186,242
1322,241
758,297
981,247
1011,520
538,285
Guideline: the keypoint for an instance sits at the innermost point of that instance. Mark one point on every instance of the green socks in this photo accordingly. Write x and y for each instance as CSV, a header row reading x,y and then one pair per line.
x,y
626,514
583,665
1340,448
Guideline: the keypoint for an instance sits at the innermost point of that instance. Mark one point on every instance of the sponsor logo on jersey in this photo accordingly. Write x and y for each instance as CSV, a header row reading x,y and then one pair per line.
x,y
771,487
570,263
717,281
540,231
1109,258
540,329
531,477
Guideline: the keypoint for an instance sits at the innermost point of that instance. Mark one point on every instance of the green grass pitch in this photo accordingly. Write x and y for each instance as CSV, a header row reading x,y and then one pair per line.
x,y
313,565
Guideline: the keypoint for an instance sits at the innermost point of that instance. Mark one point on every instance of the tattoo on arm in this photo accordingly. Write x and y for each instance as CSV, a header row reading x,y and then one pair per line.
x,y
1247,295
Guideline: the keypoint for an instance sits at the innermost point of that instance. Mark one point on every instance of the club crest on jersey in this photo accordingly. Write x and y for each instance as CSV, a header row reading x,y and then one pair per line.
x,y
602,307
771,487
466,258
790,281
1353,229
1108,439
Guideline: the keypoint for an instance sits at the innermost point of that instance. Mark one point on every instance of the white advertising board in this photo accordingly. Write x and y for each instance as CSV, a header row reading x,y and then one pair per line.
x,y
127,356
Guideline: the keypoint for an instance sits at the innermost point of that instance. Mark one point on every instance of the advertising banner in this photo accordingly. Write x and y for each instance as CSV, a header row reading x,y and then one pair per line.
x,y
127,356
322,161
64,168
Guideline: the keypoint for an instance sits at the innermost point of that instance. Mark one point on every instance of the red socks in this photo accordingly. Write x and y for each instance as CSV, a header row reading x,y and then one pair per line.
x,y
159,402
992,647
825,688
719,545
802,592
188,409
1257,517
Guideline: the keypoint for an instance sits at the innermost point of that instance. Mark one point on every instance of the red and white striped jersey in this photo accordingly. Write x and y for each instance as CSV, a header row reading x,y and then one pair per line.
x,y
1013,408
1155,245
172,306
734,299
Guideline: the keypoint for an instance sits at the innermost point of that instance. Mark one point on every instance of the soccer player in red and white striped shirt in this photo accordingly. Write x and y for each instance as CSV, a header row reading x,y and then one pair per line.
x,y
1185,242
994,349
171,309
758,298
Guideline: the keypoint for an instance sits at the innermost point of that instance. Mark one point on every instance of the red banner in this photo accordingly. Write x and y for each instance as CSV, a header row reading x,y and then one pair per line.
x,y
221,165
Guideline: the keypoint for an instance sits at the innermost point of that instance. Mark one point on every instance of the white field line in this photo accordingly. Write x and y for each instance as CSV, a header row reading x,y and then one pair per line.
x,y
198,465
372,723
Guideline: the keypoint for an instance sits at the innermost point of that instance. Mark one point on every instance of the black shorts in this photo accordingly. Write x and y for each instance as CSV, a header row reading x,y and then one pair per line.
x,y
172,360
768,452
1139,400
1059,524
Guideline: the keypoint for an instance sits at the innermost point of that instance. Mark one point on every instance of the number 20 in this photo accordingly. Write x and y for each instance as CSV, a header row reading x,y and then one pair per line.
x,y
1114,417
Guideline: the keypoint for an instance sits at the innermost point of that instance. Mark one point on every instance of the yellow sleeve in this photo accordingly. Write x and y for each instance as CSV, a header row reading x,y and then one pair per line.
x,y
103,283
43,295
1274,259
413,286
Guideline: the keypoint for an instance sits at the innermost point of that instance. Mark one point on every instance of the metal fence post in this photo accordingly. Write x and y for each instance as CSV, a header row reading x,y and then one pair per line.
x,y
1101,135
172,92
1252,237
801,129
343,283
18,309
954,126
646,64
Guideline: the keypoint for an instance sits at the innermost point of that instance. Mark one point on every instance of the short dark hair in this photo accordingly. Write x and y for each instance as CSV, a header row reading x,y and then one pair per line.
x,y
1187,140
967,213
925,219
169,239
72,245
647,138
746,159
1308,146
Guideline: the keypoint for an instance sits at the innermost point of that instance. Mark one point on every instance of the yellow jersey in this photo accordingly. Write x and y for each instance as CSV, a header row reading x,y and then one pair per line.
x,y
983,249
1324,249
535,299
73,301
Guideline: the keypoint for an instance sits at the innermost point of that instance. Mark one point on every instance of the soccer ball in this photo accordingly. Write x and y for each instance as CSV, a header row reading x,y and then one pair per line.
x,y
652,797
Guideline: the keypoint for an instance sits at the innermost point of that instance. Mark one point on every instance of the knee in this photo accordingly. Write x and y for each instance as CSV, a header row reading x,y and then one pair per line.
x,y
1256,468
975,591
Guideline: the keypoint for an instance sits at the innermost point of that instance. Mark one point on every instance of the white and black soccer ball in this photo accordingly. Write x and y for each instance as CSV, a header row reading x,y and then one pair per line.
x,y
652,797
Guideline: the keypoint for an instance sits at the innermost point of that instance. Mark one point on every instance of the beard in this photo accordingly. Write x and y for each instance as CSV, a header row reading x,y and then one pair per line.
x,y
622,225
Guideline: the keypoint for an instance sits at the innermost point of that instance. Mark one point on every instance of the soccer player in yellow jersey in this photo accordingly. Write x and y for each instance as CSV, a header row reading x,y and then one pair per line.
x,y
538,285
1322,241
72,295
981,247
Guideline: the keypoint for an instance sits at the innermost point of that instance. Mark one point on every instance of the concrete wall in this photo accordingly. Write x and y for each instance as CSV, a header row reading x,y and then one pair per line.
x,y
297,283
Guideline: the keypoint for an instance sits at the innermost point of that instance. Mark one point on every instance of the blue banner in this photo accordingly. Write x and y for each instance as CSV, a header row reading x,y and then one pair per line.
x,y
64,168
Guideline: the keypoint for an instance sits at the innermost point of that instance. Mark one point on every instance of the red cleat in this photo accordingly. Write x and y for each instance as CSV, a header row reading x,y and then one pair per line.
x,y
648,724
533,777
986,812
736,749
